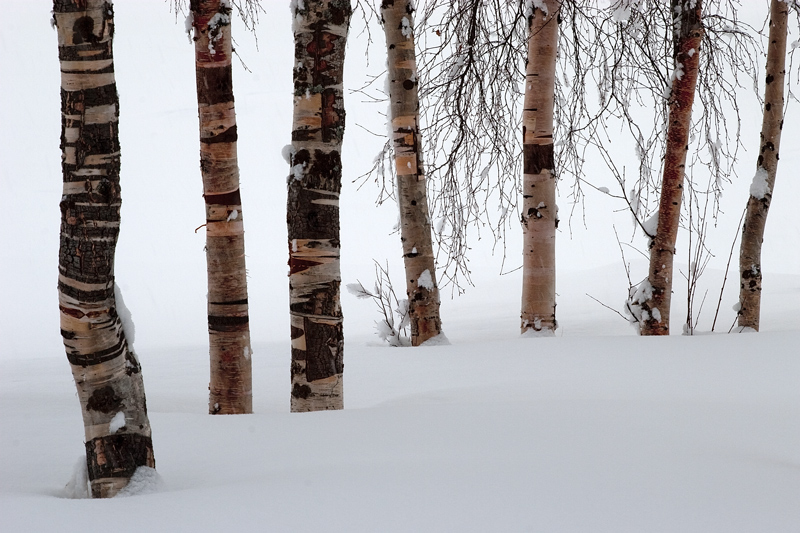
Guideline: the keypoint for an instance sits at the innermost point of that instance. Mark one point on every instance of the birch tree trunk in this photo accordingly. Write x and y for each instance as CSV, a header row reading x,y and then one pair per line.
x,y
228,321
314,183
767,167
688,34
412,197
539,210
106,371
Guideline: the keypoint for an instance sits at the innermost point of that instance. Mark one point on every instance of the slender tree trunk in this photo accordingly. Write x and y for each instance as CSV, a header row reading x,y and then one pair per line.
x,y
314,183
767,168
688,34
228,321
106,371
539,210
415,225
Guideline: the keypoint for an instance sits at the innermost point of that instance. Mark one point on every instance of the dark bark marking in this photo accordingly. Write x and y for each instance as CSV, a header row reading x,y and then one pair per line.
x,y
118,455
95,358
235,302
538,157
301,392
228,198
228,323
85,296
104,400
230,135
214,85
323,350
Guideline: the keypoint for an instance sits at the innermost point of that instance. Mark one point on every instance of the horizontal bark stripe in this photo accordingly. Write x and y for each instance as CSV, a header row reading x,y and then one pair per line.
x,y
230,135
119,455
214,85
85,286
75,102
228,323
85,296
95,358
538,157
80,214
318,300
88,66
225,198
85,52
232,302
85,80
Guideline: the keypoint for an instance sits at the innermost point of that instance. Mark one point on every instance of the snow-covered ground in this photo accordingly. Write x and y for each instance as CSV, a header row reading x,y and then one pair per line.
x,y
593,430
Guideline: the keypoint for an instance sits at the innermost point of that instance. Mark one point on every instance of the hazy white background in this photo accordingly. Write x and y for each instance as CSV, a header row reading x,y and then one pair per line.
x,y
600,432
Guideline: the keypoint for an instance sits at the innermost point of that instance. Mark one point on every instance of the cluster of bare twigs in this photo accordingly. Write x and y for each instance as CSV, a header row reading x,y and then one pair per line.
x,y
625,54
471,75
393,327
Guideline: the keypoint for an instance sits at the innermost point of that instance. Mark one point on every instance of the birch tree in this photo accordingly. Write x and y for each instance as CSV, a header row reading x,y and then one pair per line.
x,y
314,184
687,36
105,368
755,220
228,322
412,197
539,210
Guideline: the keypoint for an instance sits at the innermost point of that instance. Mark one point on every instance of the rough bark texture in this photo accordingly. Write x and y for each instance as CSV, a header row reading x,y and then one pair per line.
x,y
758,206
228,322
412,197
688,34
314,183
539,210
106,371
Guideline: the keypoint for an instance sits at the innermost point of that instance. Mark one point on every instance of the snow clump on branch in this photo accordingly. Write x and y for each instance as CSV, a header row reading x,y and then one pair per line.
x,y
759,188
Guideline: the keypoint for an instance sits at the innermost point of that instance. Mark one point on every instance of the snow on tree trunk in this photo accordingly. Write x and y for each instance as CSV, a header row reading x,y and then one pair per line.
x,y
228,322
539,210
106,371
688,34
412,197
314,183
766,169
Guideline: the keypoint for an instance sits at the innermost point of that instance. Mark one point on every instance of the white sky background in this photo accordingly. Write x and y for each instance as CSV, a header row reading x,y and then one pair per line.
x,y
160,260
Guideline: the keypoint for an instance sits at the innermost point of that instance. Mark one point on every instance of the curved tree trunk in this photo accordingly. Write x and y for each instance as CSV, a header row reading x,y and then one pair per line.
x,y
767,168
314,183
412,197
106,371
688,35
228,321
539,210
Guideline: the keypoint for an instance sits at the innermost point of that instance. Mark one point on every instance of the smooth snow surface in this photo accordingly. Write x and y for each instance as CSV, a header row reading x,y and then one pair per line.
x,y
591,430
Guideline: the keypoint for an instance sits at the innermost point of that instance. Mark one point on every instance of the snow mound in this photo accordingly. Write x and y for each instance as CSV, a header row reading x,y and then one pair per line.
x,y
439,340
144,481
77,488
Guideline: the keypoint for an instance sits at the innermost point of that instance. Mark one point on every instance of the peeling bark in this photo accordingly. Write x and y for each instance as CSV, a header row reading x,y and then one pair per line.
x,y
412,197
688,34
539,210
750,275
230,389
314,184
106,371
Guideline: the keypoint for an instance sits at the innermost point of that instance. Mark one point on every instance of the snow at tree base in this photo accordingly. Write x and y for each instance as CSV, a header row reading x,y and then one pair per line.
x,y
593,430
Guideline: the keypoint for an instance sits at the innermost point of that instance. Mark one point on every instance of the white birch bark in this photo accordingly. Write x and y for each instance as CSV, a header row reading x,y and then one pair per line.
x,y
412,197
314,183
106,371
750,275
539,210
